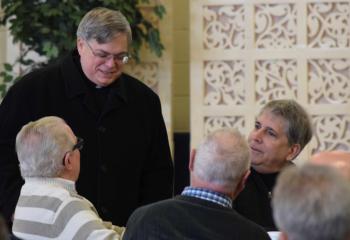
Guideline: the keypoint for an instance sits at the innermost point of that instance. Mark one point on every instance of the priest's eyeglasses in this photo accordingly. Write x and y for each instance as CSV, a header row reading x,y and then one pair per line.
x,y
120,57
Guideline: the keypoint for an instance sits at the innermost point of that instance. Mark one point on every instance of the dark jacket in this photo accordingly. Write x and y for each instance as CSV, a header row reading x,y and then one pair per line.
x,y
254,202
185,217
125,162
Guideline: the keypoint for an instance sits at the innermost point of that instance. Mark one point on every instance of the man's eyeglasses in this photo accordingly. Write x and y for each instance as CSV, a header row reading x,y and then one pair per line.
x,y
79,145
121,57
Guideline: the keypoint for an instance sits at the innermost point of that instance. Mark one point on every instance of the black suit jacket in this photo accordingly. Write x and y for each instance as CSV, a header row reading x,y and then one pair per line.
x,y
186,217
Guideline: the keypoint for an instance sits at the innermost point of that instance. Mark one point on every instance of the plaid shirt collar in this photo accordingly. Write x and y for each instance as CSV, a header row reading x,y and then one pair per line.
x,y
208,195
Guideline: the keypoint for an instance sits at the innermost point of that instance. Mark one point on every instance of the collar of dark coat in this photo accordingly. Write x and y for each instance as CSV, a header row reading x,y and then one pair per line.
x,y
73,78
261,178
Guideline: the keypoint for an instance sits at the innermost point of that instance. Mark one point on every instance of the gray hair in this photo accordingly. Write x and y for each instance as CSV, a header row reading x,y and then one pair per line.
x,y
299,128
103,24
222,158
41,146
312,202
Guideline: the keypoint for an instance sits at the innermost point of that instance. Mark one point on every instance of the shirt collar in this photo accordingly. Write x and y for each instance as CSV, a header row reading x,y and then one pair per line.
x,y
208,195
74,78
65,183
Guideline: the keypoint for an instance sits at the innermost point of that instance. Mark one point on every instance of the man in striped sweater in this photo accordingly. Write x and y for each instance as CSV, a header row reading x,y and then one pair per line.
x,y
49,206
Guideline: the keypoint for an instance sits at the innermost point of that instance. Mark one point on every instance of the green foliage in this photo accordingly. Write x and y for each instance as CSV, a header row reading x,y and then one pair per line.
x,y
48,27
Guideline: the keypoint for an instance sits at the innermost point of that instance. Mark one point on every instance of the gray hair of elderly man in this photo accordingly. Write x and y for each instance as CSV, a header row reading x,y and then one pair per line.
x,y
312,203
41,146
103,24
222,158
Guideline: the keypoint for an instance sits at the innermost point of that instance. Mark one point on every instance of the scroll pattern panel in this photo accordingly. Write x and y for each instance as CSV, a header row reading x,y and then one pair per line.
x,y
213,123
275,25
275,79
329,81
331,133
224,83
328,24
256,51
224,27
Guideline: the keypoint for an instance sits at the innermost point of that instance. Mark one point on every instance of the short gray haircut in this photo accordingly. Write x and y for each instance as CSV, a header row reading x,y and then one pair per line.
x,y
103,24
299,128
41,146
312,203
222,158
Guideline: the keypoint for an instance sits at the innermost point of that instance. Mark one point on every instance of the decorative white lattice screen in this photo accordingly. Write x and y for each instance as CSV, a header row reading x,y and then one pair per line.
x,y
245,53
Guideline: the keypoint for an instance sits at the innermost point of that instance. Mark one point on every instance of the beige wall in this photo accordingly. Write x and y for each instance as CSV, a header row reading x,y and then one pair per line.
x,y
8,50
2,47
181,66
2,42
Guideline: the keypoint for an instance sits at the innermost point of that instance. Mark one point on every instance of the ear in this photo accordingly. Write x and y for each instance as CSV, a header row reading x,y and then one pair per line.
x,y
192,157
241,183
293,151
67,161
80,45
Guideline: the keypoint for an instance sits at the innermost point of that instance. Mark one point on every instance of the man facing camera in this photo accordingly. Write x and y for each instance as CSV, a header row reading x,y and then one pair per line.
x,y
49,206
114,113
282,129
218,170
312,203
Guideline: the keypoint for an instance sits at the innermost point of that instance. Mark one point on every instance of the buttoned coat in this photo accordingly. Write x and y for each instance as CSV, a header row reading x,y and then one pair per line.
x,y
126,160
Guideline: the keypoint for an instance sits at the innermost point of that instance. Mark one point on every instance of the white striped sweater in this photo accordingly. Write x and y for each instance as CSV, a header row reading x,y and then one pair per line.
x,y
50,208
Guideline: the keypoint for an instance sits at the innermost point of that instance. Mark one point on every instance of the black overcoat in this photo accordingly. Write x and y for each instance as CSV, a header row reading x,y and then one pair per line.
x,y
126,159
254,202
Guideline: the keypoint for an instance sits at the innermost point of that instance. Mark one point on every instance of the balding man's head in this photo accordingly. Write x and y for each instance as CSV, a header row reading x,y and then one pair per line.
x,y
312,202
338,159
221,160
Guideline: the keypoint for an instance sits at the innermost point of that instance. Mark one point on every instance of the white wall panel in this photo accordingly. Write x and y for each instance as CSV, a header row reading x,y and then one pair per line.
x,y
246,53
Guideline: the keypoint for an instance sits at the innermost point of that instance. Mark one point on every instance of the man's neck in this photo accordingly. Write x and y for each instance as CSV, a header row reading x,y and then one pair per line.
x,y
196,182
69,185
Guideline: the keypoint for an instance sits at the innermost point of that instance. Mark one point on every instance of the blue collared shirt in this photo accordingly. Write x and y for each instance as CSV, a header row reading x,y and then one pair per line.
x,y
208,195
